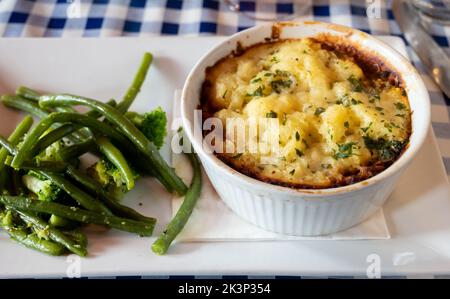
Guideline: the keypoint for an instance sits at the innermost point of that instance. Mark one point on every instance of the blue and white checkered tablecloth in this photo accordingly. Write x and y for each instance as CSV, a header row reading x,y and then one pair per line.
x,y
100,18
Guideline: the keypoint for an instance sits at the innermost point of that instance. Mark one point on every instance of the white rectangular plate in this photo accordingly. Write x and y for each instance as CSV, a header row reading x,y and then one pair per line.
x,y
418,213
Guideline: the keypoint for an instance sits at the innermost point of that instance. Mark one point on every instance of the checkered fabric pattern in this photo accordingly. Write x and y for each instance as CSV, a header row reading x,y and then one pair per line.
x,y
101,18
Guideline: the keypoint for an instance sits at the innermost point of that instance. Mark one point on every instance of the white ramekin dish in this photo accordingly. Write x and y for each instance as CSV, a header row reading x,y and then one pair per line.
x,y
305,212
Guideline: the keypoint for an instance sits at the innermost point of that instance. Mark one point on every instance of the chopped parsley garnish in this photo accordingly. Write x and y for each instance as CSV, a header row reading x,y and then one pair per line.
x,y
387,150
224,94
400,106
319,110
379,108
271,114
257,93
283,121
282,80
388,126
400,115
298,152
279,84
274,59
268,74
374,98
346,124
256,80
344,150
366,128
297,136
356,83
347,101
292,172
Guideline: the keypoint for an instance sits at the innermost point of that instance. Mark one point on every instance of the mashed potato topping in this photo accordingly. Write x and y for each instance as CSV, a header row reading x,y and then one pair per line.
x,y
336,123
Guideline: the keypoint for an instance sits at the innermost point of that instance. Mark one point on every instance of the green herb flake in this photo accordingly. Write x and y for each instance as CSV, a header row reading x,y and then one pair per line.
x,y
283,121
297,136
400,106
224,94
356,84
280,84
366,128
237,156
319,111
271,114
344,150
387,150
346,124
256,80
257,93
292,172
298,152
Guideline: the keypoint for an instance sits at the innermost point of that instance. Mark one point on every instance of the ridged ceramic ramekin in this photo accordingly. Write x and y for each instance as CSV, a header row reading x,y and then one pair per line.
x,y
305,212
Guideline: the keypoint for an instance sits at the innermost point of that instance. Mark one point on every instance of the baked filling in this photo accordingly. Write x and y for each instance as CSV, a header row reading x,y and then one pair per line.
x,y
340,117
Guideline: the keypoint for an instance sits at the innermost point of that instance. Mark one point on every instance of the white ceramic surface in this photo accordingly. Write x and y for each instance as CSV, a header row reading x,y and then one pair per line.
x,y
305,212
417,212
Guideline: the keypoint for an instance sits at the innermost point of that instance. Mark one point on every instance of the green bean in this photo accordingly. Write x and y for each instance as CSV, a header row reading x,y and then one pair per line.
x,y
53,136
115,157
32,95
78,149
21,129
54,233
77,236
31,139
24,105
61,222
17,184
28,93
96,114
84,199
115,207
76,214
33,108
175,226
51,166
7,146
32,241
136,85
126,126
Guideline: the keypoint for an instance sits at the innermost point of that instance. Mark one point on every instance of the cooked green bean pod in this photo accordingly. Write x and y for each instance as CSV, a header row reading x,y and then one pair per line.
x,y
77,214
115,207
32,241
54,233
21,129
136,85
175,226
28,93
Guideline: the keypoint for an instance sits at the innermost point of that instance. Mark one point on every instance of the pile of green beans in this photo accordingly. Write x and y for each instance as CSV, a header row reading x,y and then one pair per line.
x,y
52,226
